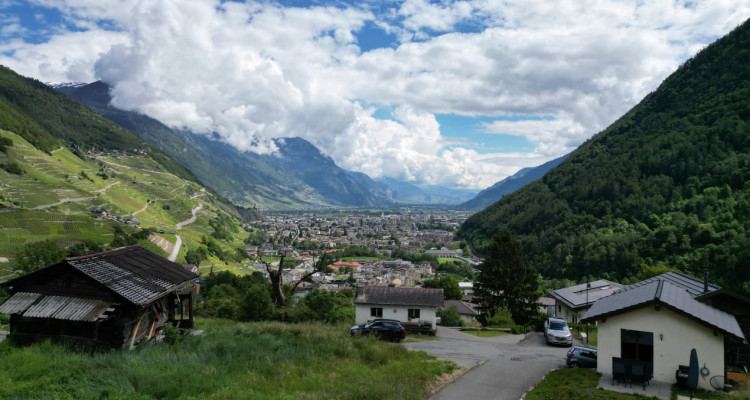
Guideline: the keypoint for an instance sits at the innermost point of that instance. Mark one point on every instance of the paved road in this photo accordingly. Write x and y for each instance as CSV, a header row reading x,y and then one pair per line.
x,y
504,367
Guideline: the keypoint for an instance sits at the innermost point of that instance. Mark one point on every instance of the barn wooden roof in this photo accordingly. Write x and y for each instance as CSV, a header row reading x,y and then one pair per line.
x,y
134,273
36,305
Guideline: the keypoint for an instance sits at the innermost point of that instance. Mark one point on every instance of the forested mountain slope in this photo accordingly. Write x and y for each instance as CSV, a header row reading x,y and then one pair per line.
x,y
509,185
665,185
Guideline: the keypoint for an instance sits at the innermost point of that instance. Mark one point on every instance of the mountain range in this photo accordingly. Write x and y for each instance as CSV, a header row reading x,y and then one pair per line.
x,y
298,174
664,187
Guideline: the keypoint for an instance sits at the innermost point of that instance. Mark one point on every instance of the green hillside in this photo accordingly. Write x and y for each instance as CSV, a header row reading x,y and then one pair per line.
x,y
664,186
48,119
52,197
72,182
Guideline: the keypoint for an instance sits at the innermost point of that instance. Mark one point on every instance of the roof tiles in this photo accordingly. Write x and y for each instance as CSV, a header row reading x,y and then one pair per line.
x,y
399,296
669,294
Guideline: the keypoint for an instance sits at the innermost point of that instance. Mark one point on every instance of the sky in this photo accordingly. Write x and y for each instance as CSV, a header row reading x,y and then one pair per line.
x,y
454,93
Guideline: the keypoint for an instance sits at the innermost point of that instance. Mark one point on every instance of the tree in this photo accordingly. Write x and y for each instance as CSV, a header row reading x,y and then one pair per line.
x,y
256,305
38,255
275,275
506,280
449,317
321,304
449,284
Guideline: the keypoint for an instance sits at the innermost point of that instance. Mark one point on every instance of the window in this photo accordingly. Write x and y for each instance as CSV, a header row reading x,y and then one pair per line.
x,y
589,354
413,313
376,312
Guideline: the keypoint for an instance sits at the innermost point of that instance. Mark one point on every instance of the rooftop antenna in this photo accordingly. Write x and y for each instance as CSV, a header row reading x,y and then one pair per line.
x,y
705,280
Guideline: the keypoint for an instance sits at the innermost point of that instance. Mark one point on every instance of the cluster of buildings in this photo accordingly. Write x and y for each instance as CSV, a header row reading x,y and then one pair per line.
x,y
384,233
358,272
132,221
654,324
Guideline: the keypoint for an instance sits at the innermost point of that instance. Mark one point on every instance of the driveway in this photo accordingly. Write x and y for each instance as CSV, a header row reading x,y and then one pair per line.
x,y
503,367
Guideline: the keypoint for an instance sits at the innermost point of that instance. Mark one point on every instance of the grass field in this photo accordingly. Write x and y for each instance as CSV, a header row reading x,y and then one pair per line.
x,y
574,384
21,226
231,361
581,383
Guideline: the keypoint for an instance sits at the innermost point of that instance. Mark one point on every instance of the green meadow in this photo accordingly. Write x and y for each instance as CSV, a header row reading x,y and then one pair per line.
x,y
267,360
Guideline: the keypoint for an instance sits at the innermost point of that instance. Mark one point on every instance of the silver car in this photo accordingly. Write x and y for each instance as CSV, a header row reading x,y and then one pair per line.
x,y
556,331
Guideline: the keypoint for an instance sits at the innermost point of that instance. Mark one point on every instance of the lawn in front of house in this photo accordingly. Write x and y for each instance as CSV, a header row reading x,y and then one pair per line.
x,y
575,384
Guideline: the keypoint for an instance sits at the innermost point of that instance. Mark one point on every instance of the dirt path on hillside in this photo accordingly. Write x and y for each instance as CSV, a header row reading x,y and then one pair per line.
x,y
198,193
141,210
176,249
75,199
140,169
190,220
104,189
61,201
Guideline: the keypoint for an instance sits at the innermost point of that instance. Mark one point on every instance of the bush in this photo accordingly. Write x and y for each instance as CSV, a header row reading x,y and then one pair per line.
x,y
517,329
12,168
450,317
5,143
500,321
256,305
172,335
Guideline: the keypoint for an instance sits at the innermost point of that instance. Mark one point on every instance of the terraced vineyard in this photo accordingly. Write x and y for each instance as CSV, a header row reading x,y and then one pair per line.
x,y
54,197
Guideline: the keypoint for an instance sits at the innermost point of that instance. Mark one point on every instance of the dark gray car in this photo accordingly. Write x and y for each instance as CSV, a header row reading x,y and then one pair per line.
x,y
581,357
386,329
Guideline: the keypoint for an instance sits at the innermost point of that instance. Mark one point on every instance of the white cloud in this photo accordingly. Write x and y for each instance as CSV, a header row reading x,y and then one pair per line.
x,y
255,71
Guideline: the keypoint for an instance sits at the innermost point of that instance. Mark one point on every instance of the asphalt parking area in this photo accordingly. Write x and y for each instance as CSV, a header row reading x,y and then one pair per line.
x,y
503,367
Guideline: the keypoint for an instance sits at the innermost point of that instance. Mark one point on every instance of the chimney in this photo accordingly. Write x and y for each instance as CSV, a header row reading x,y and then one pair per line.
x,y
705,280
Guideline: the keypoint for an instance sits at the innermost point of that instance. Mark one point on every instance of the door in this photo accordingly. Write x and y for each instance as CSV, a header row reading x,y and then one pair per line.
x,y
638,346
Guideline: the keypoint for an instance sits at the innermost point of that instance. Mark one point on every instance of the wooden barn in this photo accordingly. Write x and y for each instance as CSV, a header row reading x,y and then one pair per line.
x,y
112,299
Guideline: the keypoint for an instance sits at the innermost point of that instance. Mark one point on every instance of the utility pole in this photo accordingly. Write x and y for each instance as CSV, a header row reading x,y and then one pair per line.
x,y
588,287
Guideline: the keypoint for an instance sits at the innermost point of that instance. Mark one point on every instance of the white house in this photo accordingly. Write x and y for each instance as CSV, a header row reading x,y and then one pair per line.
x,y
572,302
658,322
415,305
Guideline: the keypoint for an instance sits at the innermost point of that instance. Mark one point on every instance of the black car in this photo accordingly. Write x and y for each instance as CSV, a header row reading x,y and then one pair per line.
x,y
386,329
581,357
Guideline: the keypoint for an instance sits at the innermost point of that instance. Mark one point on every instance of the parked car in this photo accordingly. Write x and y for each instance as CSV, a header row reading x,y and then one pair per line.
x,y
581,357
556,331
386,329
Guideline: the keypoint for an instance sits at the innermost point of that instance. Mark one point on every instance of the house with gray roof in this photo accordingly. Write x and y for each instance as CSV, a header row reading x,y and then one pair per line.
x,y
657,322
408,305
104,300
571,303
465,310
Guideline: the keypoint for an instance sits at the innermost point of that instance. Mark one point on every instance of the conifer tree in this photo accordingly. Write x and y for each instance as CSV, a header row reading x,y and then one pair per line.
x,y
506,281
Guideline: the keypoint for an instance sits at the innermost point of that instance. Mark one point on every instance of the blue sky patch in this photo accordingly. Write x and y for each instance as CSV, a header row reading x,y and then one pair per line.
x,y
470,131
372,37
